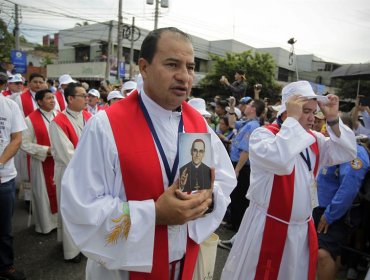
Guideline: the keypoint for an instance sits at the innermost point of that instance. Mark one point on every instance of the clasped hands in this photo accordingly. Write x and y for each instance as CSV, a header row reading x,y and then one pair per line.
x,y
175,207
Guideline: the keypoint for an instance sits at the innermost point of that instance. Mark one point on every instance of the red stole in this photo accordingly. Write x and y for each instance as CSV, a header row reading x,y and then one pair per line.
x,y
136,149
64,123
42,138
6,93
60,98
27,103
275,232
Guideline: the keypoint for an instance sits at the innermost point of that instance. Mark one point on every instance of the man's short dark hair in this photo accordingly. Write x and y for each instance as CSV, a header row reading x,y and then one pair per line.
x,y
260,107
35,75
196,141
149,45
70,90
41,94
240,72
50,81
222,103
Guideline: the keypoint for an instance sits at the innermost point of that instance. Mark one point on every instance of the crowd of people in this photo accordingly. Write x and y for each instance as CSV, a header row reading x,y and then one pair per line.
x,y
101,165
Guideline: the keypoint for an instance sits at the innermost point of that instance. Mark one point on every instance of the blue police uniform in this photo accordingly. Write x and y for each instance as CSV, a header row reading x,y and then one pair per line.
x,y
337,187
241,140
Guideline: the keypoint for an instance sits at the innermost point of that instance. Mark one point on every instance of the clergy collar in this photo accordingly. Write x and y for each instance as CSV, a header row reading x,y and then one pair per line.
x,y
33,93
46,112
156,110
74,113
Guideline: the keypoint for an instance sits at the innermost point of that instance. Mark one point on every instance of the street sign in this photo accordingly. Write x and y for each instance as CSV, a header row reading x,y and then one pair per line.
x,y
19,60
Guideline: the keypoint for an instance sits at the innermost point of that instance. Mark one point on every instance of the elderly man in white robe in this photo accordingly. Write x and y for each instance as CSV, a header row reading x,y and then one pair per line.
x,y
277,238
36,143
133,221
65,131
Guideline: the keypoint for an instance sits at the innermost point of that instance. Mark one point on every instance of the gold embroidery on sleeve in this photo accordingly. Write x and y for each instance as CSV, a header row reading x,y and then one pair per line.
x,y
120,230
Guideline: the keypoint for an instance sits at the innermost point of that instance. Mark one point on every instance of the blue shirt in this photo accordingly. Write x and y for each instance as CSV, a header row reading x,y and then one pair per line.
x,y
241,141
338,185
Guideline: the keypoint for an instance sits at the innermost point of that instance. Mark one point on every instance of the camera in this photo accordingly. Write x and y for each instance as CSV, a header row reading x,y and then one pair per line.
x,y
258,86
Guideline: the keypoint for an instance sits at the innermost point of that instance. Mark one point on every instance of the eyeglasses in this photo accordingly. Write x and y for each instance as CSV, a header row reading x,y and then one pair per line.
x,y
81,95
18,83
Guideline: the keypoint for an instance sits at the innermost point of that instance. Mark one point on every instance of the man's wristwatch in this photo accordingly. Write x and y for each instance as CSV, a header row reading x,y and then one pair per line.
x,y
333,122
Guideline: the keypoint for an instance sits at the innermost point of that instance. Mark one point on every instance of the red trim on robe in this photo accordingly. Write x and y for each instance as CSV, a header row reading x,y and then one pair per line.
x,y
6,93
137,149
42,138
27,103
65,124
60,98
275,232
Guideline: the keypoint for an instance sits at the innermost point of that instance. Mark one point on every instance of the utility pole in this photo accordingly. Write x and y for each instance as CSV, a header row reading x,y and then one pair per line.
x,y
132,47
16,29
119,39
109,49
156,14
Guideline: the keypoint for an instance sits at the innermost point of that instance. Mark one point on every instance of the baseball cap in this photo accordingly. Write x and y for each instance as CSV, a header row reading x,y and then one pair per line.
x,y
129,85
319,115
245,100
15,78
66,79
114,94
200,105
94,92
302,88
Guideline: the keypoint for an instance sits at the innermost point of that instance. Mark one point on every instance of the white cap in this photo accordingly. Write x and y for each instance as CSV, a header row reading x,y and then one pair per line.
x,y
237,111
276,108
114,94
15,78
302,88
66,79
94,92
129,85
200,105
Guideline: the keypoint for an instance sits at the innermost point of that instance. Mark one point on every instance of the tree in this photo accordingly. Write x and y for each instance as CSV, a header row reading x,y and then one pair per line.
x,y
348,89
259,69
7,42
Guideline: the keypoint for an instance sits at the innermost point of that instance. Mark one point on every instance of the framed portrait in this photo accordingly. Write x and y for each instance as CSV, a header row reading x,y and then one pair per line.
x,y
195,161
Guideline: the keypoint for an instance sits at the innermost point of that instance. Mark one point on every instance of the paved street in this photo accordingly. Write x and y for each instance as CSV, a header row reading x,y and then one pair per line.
x,y
41,258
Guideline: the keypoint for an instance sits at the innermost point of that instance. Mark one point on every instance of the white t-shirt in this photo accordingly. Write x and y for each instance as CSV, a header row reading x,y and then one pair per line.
x,y
11,121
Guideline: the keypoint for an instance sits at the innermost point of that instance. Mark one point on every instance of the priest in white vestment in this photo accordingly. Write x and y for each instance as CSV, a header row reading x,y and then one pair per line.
x,y
94,190
294,152
65,130
45,218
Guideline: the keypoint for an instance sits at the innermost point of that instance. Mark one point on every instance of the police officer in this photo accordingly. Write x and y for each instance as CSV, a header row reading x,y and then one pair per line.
x,y
337,188
239,154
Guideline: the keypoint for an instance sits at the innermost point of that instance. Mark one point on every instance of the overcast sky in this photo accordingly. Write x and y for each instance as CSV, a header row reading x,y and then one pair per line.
x,y
334,30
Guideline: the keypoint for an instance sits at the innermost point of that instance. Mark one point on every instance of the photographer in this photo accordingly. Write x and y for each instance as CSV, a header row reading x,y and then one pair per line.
x,y
238,87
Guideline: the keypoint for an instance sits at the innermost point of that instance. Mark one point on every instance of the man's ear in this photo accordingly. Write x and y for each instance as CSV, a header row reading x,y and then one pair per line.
x,y
143,67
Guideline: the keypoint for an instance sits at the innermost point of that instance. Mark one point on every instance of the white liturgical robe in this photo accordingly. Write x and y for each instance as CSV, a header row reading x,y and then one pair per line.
x,y
93,194
280,154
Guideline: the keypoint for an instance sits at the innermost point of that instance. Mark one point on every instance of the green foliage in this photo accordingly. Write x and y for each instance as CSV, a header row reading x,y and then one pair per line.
x,y
47,60
259,69
6,42
348,89
49,49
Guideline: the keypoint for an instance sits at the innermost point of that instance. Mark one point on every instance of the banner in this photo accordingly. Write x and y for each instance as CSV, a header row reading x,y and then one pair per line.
x,y
19,60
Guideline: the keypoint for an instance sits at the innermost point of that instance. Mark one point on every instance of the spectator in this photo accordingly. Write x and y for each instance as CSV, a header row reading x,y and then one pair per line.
x,y
10,139
15,86
238,87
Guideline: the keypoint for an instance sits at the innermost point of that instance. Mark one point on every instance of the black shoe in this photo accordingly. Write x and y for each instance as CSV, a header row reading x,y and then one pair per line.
x,y
76,259
12,274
